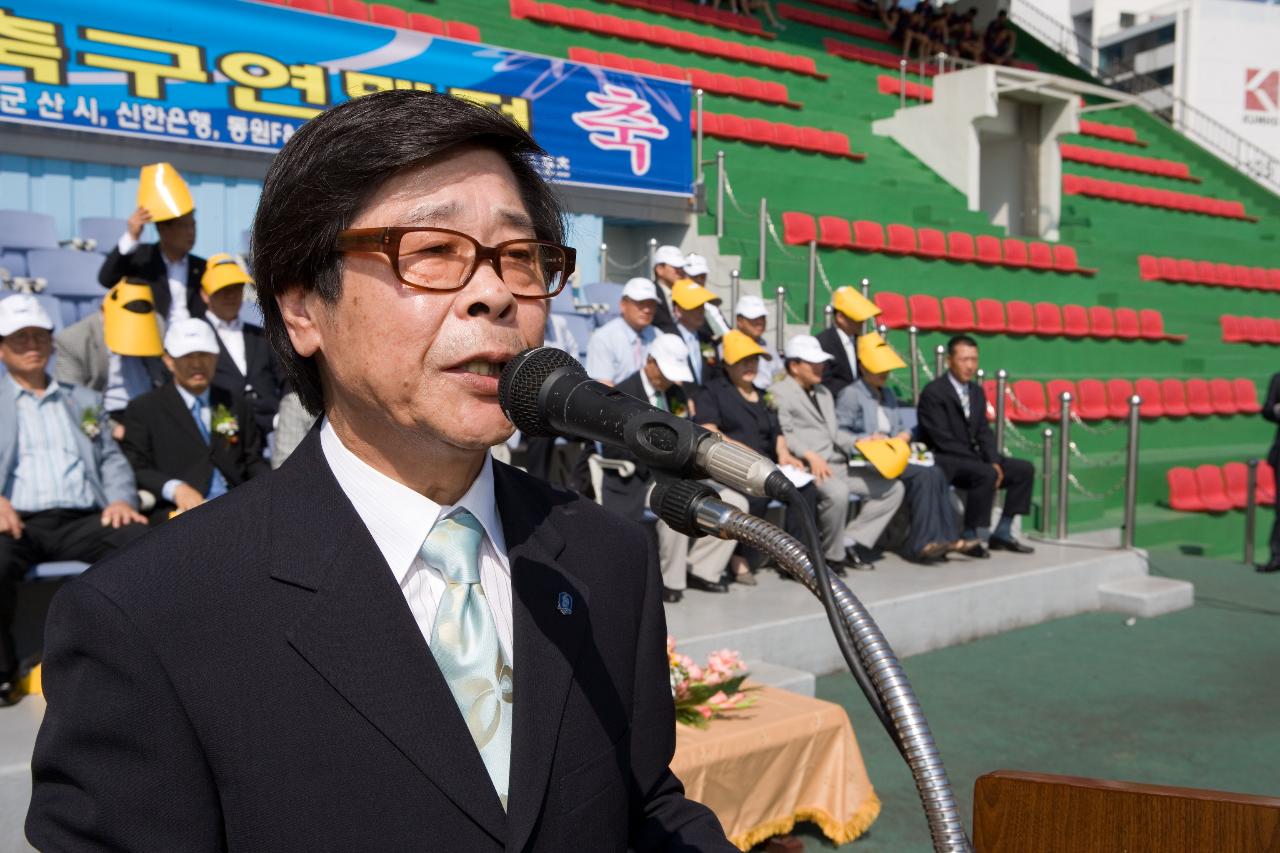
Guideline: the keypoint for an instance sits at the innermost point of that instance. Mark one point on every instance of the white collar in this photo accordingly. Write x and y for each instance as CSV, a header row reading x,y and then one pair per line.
x,y
235,325
398,518
962,388
649,390
844,339
189,398
49,392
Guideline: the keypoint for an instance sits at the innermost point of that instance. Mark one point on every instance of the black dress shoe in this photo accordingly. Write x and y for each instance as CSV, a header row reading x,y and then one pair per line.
x,y
978,551
703,585
672,596
996,543
1273,566
862,554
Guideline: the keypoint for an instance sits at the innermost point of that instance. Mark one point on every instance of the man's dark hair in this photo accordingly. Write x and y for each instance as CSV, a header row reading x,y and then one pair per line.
x,y
960,341
322,178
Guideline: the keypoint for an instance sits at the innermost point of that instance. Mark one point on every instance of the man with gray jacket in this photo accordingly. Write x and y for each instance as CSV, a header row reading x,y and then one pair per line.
x,y
807,412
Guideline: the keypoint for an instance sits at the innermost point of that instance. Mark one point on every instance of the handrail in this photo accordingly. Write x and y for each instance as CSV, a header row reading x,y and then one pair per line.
x,y
1197,125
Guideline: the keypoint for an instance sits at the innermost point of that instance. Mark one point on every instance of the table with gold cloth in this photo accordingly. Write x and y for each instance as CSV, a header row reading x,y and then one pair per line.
x,y
788,758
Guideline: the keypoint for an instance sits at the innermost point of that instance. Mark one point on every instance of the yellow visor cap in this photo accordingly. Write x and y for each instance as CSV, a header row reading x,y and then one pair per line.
x,y
688,294
221,271
738,346
876,355
164,193
853,304
887,455
129,321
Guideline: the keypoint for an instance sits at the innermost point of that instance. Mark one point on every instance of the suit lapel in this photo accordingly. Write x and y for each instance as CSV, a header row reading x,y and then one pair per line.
x,y
178,411
158,274
361,637
549,630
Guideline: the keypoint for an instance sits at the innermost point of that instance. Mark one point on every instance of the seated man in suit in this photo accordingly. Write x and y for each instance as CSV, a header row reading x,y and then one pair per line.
x,y
189,441
807,412
66,491
698,563
168,265
841,340
394,642
953,423
246,365
668,268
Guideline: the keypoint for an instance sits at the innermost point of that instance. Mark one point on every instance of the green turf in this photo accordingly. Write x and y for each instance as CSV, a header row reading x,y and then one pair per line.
x,y
1187,699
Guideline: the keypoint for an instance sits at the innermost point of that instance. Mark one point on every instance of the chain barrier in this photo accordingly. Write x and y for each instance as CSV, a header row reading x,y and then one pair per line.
x,y
1092,430
1089,462
628,267
1011,431
822,273
1075,484
773,232
924,365
733,199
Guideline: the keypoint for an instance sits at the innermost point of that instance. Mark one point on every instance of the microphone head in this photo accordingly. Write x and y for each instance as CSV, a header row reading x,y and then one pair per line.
x,y
521,382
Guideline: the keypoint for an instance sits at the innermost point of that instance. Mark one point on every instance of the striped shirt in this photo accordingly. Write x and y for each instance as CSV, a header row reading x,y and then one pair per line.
x,y
50,473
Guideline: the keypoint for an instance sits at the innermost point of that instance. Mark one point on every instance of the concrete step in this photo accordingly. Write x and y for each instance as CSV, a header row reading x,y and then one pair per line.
x,y
782,677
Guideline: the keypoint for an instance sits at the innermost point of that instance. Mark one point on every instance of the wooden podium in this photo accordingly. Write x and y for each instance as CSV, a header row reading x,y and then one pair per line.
x,y
1016,812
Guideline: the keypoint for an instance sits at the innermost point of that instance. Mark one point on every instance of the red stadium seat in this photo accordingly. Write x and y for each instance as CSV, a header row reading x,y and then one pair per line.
x,y
1148,268
834,233
926,315
1213,492
1102,322
1028,402
960,246
1118,393
1206,272
311,5
893,309
1075,321
1168,268
1199,400
957,314
733,127
1266,484
1235,475
1223,396
1092,401
902,240
1149,391
433,25
1250,330
1273,279
868,236
1048,319
798,228
1039,255
1246,396
1187,270
988,249
1127,324
1053,390
788,135
357,9
1151,326
990,316
759,130
1015,252
392,16
461,31
1225,274
933,244
1184,493
1270,330
1173,394
1019,318
1065,260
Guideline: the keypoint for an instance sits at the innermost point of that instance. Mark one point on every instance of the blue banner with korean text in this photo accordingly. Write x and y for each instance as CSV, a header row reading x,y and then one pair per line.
x,y
247,75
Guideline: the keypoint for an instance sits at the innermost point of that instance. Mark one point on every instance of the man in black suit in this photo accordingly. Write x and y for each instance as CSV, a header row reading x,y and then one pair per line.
x,y
841,340
1271,411
668,268
168,265
393,642
246,365
953,423
189,441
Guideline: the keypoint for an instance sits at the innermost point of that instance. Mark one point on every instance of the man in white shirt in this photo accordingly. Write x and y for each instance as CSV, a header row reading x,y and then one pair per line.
x,y
616,349
167,265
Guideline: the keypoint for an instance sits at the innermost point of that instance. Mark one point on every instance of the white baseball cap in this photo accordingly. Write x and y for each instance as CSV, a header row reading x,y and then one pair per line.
x,y
672,355
22,311
695,265
751,307
806,348
669,255
640,289
191,335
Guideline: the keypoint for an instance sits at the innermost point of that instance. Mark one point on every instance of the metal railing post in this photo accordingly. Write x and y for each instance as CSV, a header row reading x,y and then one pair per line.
x,y
1046,480
653,252
604,261
867,325
812,310
902,83
939,360
735,284
764,236
698,138
1251,512
913,343
1128,532
1064,464
1002,382
780,309
720,184
828,317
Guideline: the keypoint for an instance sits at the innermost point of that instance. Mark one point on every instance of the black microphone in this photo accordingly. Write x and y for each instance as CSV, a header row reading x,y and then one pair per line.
x,y
546,392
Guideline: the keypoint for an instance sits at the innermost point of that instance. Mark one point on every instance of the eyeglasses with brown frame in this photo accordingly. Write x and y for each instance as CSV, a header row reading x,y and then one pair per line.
x,y
440,259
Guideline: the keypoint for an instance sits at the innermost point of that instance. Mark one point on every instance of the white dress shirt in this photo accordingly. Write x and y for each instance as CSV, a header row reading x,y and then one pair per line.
x,y
962,391
170,488
232,337
849,350
695,351
177,274
615,350
399,519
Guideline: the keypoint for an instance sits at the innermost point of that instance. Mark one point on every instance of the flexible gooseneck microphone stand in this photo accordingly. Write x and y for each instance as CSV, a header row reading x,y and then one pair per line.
x,y
696,510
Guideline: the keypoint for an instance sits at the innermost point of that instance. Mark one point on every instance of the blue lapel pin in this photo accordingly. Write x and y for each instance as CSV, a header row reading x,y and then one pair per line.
x,y
564,603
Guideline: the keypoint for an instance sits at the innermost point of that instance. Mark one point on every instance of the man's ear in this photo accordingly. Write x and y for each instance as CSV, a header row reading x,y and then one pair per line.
x,y
298,308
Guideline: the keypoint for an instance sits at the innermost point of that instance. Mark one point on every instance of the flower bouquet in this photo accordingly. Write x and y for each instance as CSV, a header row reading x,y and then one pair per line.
x,y
704,693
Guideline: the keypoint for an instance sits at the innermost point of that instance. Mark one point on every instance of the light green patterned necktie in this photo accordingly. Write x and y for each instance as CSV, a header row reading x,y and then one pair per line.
x,y
465,643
